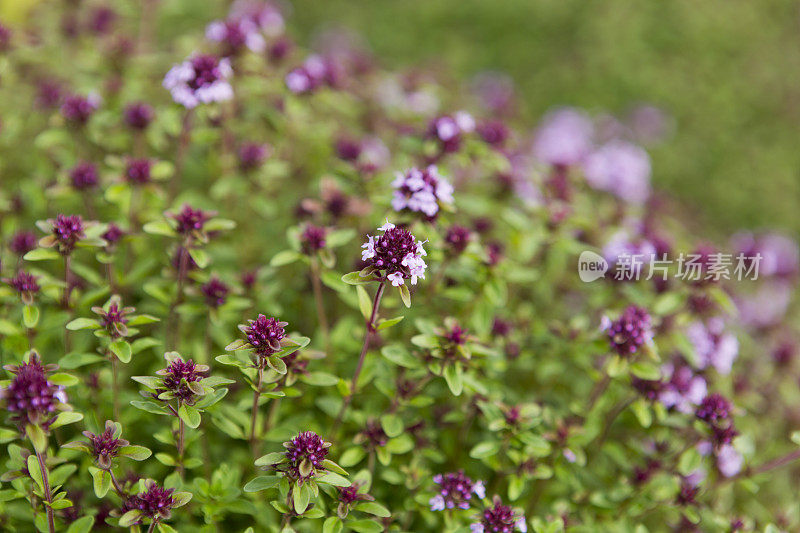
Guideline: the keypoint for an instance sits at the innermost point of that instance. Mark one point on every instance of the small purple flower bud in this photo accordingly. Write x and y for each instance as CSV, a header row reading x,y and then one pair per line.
x,y
396,253
264,335
101,20
455,490
137,171
422,191
138,115
305,453
179,375
22,242
83,176
252,156
155,502
200,79
48,94
114,317
714,408
493,132
67,231
215,292
630,331
77,108
105,446
499,518
458,238
30,397
5,38
372,436
25,284
191,221
313,239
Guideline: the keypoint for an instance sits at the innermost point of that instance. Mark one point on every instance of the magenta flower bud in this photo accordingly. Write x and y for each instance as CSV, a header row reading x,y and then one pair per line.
x,y
113,317
455,491
105,446
396,254
22,242
201,79
101,20
137,171
499,518
30,397
493,132
25,284
138,115
155,503
630,331
252,156
83,176
305,454
66,231
78,109
190,220
714,408
48,94
313,239
264,335
179,376
215,292
458,238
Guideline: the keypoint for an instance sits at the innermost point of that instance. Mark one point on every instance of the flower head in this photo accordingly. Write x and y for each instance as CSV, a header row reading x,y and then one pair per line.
x,y
714,347
190,221
316,71
620,168
493,132
714,409
83,176
449,130
349,496
201,79
305,454
455,490
499,518
180,376
630,331
30,397
113,317
564,138
236,34
137,171
106,445
25,284
421,190
264,335
22,242
313,238
77,108
458,238
396,254
215,292
66,230
155,502
112,234
138,115
252,156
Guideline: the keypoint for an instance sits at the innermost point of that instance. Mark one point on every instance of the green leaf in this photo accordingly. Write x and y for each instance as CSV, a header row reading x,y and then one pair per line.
x,y
364,302
284,258
392,425
34,470
150,382
332,524
262,483
301,496
66,380
219,224
200,257
83,323
385,324
189,415
453,377
42,254
66,417
398,355
319,379
276,364
332,478
646,371
75,360
641,409
352,456
137,453
159,227
30,316
374,508
354,278
405,295
365,526
149,406
181,498
102,481
130,518
327,464
122,350
270,459
484,449
81,525
165,459
37,437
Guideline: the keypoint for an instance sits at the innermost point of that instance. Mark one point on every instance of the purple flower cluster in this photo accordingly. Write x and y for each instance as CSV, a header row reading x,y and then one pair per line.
x,y
564,138
305,454
137,171
30,397
714,409
114,317
499,518
264,334
236,34
201,79
313,238
620,168
105,446
138,115
83,176
215,292
421,190
191,221
630,331
22,242
155,502
714,347
396,253
112,234
450,129
25,284
457,238
455,490
67,230
77,108
252,156
315,72
179,376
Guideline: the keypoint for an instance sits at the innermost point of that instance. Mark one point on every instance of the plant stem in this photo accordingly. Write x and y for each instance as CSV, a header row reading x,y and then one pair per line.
x,y
65,300
321,317
376,302
269,421
115,385
254,413
180,157
47,495
115,483
174,319
152,527
180,444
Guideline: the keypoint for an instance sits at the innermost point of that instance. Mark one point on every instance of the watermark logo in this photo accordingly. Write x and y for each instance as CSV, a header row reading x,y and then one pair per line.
x,y
591,266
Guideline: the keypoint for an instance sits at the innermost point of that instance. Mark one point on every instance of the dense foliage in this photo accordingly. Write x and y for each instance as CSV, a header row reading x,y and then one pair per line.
x,y
251,287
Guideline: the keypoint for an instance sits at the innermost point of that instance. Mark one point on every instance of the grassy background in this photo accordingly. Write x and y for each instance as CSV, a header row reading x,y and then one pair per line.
x,y
728,71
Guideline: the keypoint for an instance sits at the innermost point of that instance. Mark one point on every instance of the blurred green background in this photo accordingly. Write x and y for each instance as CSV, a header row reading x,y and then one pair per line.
x,y
727,71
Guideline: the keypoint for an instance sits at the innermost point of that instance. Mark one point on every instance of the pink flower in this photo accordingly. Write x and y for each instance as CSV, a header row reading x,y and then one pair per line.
x,y
564,138
620,168
202,79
